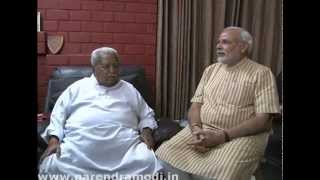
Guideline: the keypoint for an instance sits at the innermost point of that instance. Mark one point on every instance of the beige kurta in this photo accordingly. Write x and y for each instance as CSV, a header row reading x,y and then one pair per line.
x,y
230,96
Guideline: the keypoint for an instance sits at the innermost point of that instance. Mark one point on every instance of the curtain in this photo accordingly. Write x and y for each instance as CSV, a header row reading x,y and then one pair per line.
x,y
186,39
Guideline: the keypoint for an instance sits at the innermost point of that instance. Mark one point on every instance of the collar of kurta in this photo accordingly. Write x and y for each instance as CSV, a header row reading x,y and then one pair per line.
x,y
241,63
95,82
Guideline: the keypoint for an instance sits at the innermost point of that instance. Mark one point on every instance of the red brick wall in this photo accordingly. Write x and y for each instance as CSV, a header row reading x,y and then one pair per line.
x,y
126,25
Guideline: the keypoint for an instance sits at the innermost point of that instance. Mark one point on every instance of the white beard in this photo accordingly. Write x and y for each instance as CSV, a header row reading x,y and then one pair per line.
x,y
227,59
222,60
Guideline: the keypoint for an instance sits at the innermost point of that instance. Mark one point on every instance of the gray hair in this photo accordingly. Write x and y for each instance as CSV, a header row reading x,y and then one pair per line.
x,y
101,53
245,36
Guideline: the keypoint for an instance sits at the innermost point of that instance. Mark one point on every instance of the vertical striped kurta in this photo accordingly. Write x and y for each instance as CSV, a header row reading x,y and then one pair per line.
x,y
229,96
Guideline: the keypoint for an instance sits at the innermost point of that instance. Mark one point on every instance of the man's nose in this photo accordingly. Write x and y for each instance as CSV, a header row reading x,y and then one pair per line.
x,y
218,46
112,69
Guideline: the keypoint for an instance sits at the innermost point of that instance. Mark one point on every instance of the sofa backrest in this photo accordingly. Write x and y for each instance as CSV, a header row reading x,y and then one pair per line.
x,y
64,76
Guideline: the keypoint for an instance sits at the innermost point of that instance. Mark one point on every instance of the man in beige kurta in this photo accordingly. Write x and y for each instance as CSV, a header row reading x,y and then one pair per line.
x,y
230,115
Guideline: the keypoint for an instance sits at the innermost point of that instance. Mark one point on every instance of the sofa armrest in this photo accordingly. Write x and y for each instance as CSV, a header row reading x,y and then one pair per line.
x,y
166,129
41,127
42,145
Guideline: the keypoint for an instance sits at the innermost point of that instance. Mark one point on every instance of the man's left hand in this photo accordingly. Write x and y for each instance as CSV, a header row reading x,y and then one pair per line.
x,y
146,137
211,138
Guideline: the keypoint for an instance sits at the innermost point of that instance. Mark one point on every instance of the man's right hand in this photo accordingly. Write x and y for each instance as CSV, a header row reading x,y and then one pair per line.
x,y
194,131
197,142
53,147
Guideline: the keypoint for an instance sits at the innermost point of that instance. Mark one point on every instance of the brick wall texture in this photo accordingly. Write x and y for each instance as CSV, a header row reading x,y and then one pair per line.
x,y
126,25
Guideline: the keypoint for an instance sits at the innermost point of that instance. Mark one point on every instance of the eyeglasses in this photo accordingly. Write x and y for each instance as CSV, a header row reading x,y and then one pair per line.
x,y
105,67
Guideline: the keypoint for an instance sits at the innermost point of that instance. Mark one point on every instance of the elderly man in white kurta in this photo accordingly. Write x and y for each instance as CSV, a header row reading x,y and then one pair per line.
x,y
100,125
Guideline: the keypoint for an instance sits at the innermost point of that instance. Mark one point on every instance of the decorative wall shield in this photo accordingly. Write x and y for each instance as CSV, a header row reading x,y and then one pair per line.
x,y
55,43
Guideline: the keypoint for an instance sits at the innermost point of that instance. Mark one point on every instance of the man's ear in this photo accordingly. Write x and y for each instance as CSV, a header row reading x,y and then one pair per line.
x,y
244,47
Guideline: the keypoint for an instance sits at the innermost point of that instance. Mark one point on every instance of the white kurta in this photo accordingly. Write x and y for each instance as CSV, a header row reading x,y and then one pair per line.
x,y
99,131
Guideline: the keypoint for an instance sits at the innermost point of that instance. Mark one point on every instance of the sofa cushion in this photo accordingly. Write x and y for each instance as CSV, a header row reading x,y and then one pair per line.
x,y
71,72
166,130
55,88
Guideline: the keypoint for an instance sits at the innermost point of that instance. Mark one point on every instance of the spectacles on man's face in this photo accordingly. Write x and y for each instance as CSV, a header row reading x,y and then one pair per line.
x,y
108,66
